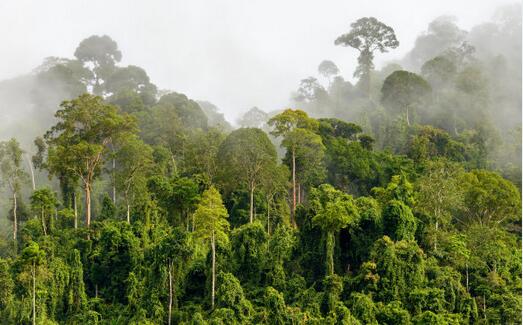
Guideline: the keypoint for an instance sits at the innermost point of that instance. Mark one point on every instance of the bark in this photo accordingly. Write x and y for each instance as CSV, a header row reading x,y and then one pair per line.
x,y
75,211
170,291
43,223
299,193
31,169
484,308
293,222
408,120
88,205
467,276
213,280
15,219
128,213
436,236
34,292
329,246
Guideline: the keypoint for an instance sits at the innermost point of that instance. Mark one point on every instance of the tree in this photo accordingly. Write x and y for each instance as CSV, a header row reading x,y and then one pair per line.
x,y
275,306
43,202
12,174
132,78
254,118
334,210
438,193
439,71
173,250
297,130
231,296
190,113
211,225
328,70
134,160
67,179
101,52
249,246
33,256
310,89
85,129
398,221
489,199
368,35
201,154
215,119
404,92
247,156
185,195
275,187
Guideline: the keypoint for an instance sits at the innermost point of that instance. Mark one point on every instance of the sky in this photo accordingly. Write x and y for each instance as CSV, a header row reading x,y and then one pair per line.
x,y
235,54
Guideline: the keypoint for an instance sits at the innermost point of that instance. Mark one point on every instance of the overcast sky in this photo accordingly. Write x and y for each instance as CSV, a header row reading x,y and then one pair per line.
x,y
236,54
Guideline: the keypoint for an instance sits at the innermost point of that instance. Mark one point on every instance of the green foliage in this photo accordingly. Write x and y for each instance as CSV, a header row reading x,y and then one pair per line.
x,y
249,246
108,210
230,295
334,210
398,221
400,267
368,35
405,92
402,211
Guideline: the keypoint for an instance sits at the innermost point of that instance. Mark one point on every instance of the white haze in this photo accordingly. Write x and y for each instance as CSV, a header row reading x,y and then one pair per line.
x,y
235,54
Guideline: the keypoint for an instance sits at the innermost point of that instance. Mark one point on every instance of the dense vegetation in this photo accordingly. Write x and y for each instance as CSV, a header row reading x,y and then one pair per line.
x,y
141,206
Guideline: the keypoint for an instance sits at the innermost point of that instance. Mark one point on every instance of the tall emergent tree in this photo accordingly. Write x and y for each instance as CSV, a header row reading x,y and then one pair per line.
x,y
12,174
246,157
85,129
367,36
134,160
211,224
328,69
173,250
404,92
334,210
439,194
33,256
43,202
300,139
100,53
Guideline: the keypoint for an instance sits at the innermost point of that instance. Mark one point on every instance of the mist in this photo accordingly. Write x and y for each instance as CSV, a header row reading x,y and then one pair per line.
x,y
232,54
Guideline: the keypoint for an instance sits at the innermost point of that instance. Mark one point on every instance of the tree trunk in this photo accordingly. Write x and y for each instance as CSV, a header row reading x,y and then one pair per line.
x,y
15,219
407,114
436,236
75,211
34,291
31,169
43,223
88,205
251,208
170,291
484,307
293,217
367,81
128,213
467,276
329,247
213,279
